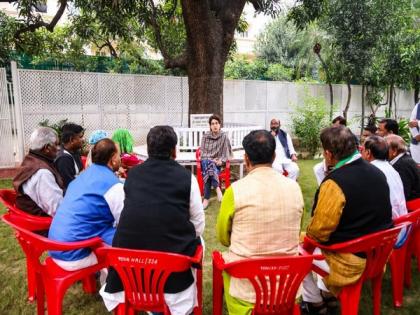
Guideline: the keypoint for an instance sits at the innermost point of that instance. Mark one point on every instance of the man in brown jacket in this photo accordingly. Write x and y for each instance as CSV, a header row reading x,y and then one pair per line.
x,y
38,185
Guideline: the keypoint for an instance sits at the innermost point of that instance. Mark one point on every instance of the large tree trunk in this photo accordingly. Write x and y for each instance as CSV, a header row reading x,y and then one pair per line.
x,y
210,27
346,109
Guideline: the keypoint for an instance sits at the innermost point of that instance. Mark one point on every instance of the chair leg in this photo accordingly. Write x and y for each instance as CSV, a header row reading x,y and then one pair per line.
x,y
217,291
397,264
377,294
349,299
89,284
31,281
120,309
40,301
55,296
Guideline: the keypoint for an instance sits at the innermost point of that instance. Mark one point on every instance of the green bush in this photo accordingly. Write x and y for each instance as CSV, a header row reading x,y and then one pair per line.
x,y
307,122
404,130
278,72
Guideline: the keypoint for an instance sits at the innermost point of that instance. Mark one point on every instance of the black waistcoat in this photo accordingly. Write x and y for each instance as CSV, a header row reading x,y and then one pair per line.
x,y
368,207
156,216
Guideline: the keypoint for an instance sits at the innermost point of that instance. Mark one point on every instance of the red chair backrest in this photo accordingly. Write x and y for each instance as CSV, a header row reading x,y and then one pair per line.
x,y
8,198
275,280
84,160
412,217
413,204
144,273
376,246
34,245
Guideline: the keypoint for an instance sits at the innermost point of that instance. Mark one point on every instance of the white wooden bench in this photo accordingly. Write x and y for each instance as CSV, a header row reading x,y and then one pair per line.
x,y
189,139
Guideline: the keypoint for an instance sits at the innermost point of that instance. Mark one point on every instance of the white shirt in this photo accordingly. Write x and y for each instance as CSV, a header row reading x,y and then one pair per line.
x,y
42,188
280,152
396,188
415,148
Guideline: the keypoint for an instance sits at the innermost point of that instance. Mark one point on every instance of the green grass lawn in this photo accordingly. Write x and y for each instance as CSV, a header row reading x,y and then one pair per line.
x,y
13,289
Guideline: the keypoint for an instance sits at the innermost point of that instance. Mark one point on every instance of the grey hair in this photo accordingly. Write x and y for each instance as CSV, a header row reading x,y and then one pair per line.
x,y
42,136
396,143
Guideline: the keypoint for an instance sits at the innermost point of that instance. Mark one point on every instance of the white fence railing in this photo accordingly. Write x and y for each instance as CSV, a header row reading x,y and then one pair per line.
x,y
189,139
7,152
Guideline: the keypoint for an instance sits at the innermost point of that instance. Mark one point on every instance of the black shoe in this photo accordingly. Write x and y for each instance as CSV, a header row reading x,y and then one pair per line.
x,y
307,308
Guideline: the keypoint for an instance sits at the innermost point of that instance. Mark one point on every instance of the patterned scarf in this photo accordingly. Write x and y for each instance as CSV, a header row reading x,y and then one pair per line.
x,y
215,146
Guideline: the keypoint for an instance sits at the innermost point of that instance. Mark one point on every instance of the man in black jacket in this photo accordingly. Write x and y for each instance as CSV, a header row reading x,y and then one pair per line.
x,y
405,166
162,212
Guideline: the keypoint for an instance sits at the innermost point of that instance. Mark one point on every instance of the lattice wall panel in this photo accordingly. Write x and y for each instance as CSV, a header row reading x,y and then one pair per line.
x,y
7,157
102,101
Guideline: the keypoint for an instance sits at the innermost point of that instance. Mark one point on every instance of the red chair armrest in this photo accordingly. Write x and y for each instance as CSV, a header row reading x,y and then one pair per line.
x,y
218,261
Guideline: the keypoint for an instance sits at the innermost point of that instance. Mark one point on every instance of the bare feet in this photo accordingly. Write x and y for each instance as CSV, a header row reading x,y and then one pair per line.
x,y
205,204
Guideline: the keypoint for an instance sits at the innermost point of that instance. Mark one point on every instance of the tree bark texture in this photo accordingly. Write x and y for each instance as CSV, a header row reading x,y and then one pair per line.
x,y
210,27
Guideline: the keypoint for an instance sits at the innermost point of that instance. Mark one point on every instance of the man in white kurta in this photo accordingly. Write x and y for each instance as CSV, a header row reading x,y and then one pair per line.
x,y
415,133
286,156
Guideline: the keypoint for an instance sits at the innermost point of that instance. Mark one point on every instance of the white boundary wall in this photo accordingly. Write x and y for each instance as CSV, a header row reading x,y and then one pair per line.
x,y
138,102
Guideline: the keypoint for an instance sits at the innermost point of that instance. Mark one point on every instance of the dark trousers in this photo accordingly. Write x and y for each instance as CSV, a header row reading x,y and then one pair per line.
x,y
211,183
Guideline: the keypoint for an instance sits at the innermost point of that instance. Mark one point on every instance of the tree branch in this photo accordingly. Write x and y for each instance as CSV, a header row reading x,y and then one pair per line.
x,y
40,23
170,62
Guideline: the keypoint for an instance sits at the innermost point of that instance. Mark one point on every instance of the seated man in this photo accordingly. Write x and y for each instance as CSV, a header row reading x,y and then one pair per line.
x,y
38,185
286,157
91,207
68,162
320,169
259,216
352,201
405,166
162,212
376,152
387,127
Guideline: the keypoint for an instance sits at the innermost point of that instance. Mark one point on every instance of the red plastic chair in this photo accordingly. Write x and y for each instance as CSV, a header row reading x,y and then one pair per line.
x,y
413,247
50,278
377,247
276,281
398,257
224,174
8,198
144,274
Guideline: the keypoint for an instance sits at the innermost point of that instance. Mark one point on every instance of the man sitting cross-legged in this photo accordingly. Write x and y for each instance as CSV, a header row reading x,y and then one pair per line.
x,y
352,201
38,184
259,216
162,212
91,207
